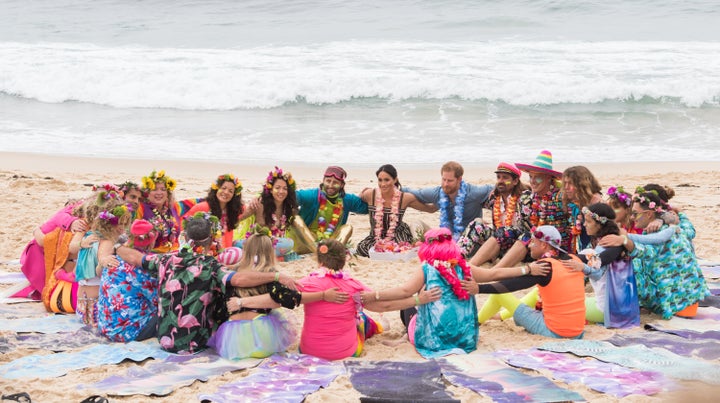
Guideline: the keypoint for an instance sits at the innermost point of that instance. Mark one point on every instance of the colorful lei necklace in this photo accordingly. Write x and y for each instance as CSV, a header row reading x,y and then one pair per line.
x,y
164,224
446,268
326,229
278,226
325,272
544,210
509,211
393,218
444,204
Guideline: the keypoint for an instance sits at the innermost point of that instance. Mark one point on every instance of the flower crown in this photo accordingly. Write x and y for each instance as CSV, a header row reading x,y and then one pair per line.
x,y
148,182
602,220
106,191
228,178
201,215
262,230
274,175
619,194
639,197
128,186
113,216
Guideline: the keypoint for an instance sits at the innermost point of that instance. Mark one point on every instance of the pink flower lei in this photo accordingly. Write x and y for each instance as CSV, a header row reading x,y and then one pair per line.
x,y
394,215
446,268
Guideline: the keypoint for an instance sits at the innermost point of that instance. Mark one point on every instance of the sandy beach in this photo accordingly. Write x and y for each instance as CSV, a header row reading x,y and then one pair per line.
x,y
33,187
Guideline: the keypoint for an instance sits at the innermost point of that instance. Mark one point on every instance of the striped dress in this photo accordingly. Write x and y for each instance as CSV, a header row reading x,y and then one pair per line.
x,y
402,230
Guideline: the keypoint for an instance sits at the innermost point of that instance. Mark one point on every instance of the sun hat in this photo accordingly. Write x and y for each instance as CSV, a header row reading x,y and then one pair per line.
x,y
143,232
549,235
230,256
508,168
336,172
543,164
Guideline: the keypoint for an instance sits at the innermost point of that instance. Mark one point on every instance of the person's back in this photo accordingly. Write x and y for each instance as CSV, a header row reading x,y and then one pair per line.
x,y
563,300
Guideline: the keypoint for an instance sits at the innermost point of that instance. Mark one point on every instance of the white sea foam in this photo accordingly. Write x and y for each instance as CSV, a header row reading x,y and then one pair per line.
x,y
516,73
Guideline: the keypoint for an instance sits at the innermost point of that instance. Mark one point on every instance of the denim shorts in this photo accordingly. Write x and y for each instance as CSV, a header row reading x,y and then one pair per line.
x,y
534,322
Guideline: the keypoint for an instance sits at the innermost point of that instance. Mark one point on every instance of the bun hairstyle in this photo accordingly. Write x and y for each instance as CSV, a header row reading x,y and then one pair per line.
x,y
664,192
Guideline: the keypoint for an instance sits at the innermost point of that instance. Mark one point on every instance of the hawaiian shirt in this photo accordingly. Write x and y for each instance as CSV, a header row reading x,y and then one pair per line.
x,y
191,289
127,301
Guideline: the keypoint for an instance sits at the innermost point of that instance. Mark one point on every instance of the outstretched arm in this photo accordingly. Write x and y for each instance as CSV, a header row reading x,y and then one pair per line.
x,y
423,297
483,275
417,205
410,287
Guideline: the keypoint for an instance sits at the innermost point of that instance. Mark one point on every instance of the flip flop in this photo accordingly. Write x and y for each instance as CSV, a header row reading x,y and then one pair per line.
x,y
21,397
95,399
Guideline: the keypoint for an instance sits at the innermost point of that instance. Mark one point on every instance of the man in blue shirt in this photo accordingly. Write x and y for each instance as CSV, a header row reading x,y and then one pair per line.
x,y
324,211
458,201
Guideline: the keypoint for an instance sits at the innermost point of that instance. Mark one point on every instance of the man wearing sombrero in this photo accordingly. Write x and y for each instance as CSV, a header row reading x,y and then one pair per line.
x,y
546,208
324,211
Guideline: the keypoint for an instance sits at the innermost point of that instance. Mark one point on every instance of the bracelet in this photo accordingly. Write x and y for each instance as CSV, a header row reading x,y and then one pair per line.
x,y
625,240
277,277
525,270
417,300
377,295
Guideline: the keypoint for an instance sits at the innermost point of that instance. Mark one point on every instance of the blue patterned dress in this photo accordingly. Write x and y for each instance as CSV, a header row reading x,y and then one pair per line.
x,y
446,326
127,301
668,276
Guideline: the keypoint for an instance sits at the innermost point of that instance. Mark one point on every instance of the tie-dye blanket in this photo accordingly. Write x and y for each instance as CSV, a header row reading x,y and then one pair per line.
x,y
687,334
54,365
707,349
163,377
641,357
398,380
55,341
489,376
280,378
597,375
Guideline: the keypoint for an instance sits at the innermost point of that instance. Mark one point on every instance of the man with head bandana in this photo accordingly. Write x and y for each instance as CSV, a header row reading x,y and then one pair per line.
x,y
324,211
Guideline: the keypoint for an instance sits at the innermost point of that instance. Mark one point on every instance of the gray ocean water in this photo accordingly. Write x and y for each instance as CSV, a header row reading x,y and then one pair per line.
x,y
366,82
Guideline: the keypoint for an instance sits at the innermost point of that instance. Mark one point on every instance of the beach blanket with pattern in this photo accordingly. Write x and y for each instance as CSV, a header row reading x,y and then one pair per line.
x,y
161,378
641,357
398,381
695,324
708,349
45,324
601,376
489,376
59,364
280,378
687,334
55,342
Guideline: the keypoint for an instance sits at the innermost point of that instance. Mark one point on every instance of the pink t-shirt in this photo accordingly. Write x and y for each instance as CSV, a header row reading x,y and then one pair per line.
x,y
330,329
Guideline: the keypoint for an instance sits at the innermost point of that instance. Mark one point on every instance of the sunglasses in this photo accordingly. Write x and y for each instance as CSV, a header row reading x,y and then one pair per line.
x,y
635,214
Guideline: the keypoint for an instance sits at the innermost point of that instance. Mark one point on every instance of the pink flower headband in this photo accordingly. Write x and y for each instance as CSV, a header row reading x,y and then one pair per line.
x,y
620,194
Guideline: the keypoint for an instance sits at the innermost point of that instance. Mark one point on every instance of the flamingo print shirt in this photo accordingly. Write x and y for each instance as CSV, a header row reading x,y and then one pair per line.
x,y
191,287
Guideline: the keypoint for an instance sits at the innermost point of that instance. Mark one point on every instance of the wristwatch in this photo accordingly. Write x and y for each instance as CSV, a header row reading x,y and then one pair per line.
x,y
115,247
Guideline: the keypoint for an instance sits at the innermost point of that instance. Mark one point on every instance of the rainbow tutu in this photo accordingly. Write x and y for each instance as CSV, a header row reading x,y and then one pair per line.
x,y
258,338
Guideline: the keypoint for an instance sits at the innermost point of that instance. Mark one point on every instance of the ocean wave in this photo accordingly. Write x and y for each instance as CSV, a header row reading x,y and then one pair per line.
x,y
515,73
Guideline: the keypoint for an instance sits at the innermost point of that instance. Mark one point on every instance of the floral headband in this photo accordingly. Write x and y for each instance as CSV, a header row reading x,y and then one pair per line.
x,y
113,216
215,229
128,186
148,182
228,178
324,249
439,238
618,193
602,220
106,191
639,197
276,174
555,243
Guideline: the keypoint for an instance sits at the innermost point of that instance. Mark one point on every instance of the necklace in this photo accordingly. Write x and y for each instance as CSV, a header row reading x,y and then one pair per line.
x,y
279,225
544,210
393,218
510,208
326,229
446,268
444,204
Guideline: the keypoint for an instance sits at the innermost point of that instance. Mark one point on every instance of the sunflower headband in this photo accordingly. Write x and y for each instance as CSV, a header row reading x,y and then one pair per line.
x,y
227,178
276,174
148,182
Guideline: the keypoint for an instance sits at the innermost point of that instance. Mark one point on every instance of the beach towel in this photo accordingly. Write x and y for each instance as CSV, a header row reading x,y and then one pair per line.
x,y
388,381
14,311
280,378
711,271
601,376
678,323
705,349
687,334
45,324
57,249
641,357
622,308
11,277
59,364
55,342
711,300
161,378
489,376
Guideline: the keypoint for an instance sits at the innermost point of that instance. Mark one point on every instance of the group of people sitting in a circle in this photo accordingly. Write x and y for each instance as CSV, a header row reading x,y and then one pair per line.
x,y
136,263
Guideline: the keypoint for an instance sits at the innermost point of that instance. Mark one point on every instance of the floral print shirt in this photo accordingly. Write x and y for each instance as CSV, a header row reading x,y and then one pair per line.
x,y
127,301
189,299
